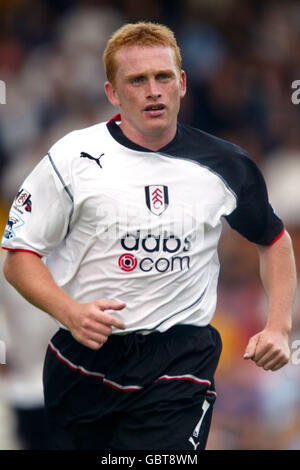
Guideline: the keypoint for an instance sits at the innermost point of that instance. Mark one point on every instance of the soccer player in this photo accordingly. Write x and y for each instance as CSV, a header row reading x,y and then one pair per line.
x,y
115,235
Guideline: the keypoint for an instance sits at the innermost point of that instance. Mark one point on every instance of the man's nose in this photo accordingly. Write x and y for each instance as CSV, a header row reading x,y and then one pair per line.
x,y
153,90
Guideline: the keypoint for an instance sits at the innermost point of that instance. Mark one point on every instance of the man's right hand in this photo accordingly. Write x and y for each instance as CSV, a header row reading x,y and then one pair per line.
x,y
90,325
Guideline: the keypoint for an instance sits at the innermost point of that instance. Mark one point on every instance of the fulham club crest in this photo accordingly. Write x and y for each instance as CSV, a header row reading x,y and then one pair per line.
x,y
23,199
157,198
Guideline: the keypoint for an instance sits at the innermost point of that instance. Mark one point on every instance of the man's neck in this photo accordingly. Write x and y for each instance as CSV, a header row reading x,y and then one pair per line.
x,y
152,141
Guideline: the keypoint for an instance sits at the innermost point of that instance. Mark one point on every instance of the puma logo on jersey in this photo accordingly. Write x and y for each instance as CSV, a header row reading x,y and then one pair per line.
x,y
96,159
195,444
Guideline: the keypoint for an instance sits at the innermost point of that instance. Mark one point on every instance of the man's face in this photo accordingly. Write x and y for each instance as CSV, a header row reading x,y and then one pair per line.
x,y
148,87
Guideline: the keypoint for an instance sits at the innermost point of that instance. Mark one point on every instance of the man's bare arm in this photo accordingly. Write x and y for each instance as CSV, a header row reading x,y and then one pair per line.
x,y
88,323
269,348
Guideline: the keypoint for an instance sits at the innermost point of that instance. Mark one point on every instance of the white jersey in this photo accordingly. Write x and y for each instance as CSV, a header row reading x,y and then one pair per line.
x,y
116,221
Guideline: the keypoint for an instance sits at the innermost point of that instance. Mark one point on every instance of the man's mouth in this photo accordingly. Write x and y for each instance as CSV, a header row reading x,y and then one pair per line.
x,y
155,109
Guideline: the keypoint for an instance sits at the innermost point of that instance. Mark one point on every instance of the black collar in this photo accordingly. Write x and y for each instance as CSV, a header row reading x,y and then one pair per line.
x,y
116,132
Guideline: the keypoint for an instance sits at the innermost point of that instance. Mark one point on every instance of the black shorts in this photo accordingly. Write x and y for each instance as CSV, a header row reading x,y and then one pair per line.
x,y
137,392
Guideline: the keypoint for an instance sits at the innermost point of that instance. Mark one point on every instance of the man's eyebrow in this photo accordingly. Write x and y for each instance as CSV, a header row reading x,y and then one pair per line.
x,y
144,74
166,72
135,75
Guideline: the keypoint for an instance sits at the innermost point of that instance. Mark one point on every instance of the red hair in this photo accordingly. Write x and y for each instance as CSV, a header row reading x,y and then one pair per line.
x,y
138,34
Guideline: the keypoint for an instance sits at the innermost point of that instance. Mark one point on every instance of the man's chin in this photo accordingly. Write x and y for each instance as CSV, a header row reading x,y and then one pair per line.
x,y
158,124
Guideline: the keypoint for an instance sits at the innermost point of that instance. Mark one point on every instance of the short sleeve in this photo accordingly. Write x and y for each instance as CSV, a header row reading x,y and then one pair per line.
x,y
40,213
254,217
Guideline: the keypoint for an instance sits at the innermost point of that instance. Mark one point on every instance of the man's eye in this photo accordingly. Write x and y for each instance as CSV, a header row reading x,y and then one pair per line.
x,y
163,76
137,80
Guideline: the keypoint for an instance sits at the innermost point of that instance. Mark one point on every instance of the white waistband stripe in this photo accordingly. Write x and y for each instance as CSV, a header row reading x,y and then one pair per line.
x,y
126,388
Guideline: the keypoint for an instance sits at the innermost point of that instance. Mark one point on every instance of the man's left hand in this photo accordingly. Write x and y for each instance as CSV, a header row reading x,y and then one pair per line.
x,y
268,349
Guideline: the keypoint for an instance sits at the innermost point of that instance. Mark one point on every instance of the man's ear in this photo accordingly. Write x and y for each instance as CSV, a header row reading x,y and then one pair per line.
x,y
182,84
111,94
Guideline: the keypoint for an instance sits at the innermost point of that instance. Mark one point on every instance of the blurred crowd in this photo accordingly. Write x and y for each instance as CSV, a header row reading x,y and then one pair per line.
x,y
241,59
